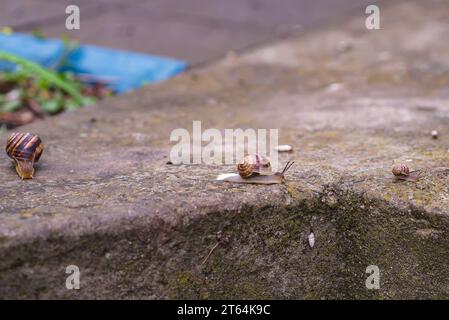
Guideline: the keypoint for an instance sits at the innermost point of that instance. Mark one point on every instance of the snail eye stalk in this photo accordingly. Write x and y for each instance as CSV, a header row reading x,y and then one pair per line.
x,y
287,166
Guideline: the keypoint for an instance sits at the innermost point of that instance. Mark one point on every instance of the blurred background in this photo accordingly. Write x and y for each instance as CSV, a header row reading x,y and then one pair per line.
x,y
40,76
190,30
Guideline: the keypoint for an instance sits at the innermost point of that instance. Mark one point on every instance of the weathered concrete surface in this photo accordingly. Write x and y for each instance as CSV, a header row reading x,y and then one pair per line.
x,y
191,30
105,200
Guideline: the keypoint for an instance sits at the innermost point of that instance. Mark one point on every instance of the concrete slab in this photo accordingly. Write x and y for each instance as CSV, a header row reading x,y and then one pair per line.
x,y
193,30
104,198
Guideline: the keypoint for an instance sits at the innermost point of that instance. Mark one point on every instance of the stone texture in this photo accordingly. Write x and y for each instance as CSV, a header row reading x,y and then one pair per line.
x,y
105,199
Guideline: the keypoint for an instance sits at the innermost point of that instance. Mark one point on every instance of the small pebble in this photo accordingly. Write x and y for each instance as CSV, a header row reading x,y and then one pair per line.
x,y
384,56
212,101
334,87
284,148
311,239
343,46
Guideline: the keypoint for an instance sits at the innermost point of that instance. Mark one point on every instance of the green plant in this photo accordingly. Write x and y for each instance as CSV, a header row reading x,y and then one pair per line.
x,y
45,76
31,91
2,130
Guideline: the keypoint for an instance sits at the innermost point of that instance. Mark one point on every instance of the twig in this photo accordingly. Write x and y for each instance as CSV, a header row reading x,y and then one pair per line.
x,y
210,252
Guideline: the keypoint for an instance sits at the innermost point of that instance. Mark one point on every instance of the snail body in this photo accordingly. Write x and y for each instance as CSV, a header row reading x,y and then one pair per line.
x,y
256,169
24,149
402,172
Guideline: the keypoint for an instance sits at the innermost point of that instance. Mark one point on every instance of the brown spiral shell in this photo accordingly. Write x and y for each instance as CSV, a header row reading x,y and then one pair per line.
x,y
400,170
254,164
24,149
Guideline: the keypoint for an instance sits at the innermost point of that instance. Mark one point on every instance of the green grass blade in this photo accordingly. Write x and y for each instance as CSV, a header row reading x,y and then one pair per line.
x,y
43,73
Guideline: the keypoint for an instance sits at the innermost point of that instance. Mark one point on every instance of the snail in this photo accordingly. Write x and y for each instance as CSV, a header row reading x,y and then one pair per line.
x,y
402,172
24,149
256,169
254,164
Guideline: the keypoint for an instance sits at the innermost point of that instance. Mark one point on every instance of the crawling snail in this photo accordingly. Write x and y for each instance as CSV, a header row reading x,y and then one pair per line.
x,y
402,172
256,169
24,149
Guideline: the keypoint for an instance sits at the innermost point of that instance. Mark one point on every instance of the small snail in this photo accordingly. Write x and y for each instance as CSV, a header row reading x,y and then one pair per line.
x,y
254,165
24,149
256,169
402,172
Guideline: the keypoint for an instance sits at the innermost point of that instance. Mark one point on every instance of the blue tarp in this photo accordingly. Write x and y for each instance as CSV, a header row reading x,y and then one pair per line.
x,y
123,70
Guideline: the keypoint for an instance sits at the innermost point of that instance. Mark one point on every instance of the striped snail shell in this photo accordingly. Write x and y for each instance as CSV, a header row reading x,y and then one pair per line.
x,y
255,169
254,164
400,170
24,149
